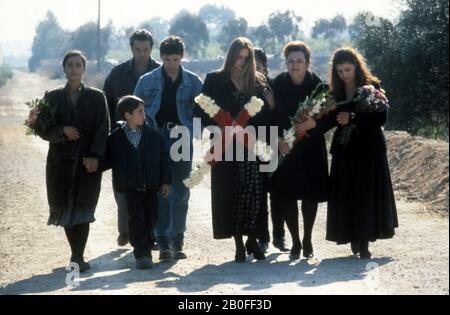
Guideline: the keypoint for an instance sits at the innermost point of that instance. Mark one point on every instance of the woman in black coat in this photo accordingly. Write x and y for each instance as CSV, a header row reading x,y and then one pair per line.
x,y
238,189
77,144
362,206
304,173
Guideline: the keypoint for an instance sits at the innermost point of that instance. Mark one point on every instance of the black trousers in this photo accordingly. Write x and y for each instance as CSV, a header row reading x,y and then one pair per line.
x,y
277,213
287,210
142,209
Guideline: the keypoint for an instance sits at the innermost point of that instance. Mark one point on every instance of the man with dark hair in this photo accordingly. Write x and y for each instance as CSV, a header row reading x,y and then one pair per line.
x,y
169,94
120,82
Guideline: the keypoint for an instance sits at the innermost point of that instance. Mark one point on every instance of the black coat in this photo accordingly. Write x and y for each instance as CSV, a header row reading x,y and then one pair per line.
x,y
72,192
366,141
362,205
224,175
120,82
303,175
147,167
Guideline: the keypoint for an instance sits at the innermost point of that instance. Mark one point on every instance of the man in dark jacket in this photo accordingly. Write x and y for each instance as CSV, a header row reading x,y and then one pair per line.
x,y
121,81
140,163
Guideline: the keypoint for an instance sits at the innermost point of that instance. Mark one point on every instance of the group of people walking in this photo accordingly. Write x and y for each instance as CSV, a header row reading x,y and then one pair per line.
x,y
144,101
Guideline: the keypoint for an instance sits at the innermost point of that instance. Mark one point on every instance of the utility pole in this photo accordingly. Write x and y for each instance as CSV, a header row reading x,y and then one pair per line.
x,y
99,35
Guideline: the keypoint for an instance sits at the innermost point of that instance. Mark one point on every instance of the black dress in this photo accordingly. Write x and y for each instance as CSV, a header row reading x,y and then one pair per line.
x,y
238,189
362,203
72,191
304,173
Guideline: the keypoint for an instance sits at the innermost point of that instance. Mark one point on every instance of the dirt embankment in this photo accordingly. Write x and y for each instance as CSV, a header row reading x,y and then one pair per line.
x,y
419,169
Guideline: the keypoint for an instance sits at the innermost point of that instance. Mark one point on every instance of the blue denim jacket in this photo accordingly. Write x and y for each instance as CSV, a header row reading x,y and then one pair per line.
x,y
150,88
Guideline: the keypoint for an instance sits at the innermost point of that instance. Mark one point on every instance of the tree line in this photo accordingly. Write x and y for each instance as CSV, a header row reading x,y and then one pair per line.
x,y
410,54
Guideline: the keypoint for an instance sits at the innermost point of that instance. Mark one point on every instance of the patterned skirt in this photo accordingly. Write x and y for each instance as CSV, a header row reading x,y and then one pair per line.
x,y
251,198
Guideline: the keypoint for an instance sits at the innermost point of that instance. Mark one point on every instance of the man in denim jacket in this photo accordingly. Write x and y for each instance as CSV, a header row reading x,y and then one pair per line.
x,y
169,93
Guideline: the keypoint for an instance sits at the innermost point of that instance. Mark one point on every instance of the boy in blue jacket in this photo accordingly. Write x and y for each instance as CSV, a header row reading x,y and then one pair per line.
x,y
140,166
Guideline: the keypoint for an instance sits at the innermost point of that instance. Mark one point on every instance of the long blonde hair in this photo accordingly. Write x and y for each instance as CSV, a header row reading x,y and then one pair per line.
x,y
251,76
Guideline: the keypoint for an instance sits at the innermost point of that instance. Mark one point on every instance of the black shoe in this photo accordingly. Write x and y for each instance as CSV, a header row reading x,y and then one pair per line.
x,y
295,251
82,265
165,255
263,245
253,248
144,263
123,240
365,255
280,244
364,250
355,247
308,251
178,254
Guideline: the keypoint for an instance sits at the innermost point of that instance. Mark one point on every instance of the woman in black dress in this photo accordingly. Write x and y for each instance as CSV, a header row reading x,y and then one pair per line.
x,y
238,189
304,173
77,144
362,206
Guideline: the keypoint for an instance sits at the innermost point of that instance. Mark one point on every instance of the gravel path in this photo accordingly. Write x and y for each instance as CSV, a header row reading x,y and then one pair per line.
x,y
33,255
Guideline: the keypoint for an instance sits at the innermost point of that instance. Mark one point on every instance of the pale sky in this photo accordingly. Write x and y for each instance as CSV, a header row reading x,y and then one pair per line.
x,y
18,18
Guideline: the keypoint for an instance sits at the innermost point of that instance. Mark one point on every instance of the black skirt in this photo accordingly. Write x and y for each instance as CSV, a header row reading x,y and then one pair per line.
x,y
362,203
239,199
303,175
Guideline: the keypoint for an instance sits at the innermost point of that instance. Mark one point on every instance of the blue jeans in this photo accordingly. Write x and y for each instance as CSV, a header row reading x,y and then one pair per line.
x,y
172,211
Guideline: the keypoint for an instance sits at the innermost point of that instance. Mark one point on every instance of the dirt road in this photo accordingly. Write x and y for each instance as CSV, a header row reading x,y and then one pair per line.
x,y
33,255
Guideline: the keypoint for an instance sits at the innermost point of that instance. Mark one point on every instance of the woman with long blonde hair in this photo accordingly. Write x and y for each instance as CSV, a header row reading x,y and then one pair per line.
x,y
238,188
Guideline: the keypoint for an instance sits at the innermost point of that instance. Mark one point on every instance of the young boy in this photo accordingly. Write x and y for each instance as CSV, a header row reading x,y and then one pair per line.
x,y
140,166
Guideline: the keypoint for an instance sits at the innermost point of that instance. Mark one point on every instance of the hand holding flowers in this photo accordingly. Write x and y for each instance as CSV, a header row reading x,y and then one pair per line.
x,y
368,100
41,116
224,119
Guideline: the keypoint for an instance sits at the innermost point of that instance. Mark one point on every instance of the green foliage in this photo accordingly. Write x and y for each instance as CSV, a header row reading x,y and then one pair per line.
x,y
45,116
213,51
233,29
323,50
285,25
280,28
158,27
329,29
85,39
411,58
192,29
49,42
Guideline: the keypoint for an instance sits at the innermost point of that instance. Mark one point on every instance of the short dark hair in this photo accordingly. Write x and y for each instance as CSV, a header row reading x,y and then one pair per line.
x,y
127,104
142,35
172,45
74,53
298,46
260,55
